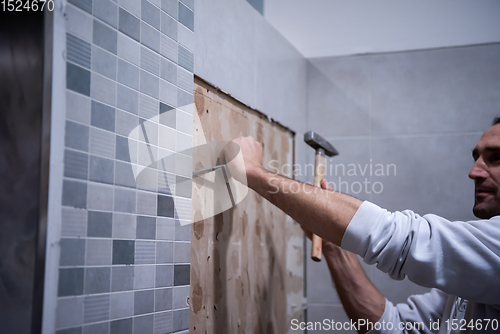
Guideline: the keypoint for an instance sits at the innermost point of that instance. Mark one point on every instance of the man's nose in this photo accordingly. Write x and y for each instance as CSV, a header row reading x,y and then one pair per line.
x,y
478,170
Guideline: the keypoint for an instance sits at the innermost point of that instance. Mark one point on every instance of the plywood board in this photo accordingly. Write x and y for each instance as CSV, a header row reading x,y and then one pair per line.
x,y
247,262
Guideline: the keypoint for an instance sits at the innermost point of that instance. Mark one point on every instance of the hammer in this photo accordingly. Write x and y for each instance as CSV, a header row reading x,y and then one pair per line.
x,y
323,148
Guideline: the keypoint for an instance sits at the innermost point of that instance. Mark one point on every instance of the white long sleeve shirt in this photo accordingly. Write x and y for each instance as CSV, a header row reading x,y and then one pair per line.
x,y
461,260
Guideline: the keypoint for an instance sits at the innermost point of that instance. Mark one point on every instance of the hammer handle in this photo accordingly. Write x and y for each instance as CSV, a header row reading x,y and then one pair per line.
x,y
319,174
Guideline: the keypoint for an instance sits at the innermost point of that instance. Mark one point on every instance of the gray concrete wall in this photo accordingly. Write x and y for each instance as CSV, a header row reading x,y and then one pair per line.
x,y
420,111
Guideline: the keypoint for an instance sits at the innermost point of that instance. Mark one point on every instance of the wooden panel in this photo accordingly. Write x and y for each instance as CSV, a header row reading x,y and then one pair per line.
x,y
246,263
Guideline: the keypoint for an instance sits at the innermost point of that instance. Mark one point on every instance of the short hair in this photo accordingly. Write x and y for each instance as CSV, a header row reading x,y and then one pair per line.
x,y
496,121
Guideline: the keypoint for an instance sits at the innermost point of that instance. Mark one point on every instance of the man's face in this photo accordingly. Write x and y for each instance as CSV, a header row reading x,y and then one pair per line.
x,y
486,174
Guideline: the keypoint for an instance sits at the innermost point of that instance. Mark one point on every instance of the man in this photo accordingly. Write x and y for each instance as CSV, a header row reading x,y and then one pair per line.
x,y
461,260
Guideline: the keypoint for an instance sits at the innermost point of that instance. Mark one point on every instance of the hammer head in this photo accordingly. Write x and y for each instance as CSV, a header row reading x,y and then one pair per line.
x,y
319,143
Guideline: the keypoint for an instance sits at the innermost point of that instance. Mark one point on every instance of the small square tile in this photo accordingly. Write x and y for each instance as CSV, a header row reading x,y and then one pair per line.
x,y
122,150
183,165
124,226
180,295
182,251
102,143
149,84
182,232
124,175
78,23
104,36
76,164
183,187
168,48
96,308
125,200
165,228
128,48
181,274
148,180
69,312
123,251
74,194
150,60
181,320
97,280
183,209
77,136
184,144
163,299
185,80
166,163
103,116
77,51
167,138
185,37
150,14
146,227
133,6
122,304
144,324
128,74
72,252
122,279
98,252
146,155
86,5
128,99
185,124
185,101
170,7
168,71
189,4
164,252
100,197
146,203
144,302
186,59
169,26
122,326
164,275
99,224
103,89
148,133
77,107
103,62
106,11
101,170
186,16
77,79
101,328
150,37
168,93
70,282
167,115
148,108
166,183
144,277
163,322
144,252
74,222
165,206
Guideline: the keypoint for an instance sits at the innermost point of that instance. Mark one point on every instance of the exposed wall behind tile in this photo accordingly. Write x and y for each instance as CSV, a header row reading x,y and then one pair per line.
x,y
119,252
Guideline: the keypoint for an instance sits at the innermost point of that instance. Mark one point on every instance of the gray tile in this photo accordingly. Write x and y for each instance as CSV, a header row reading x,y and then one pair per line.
x,y
182,252
106,11
78,79
123,251
165,228
101,328
124,175
186,16
169,26
124,226
164,275
99,224
146,227
185,37
103,116
122,326
166,164
74,222
186,58
103,62
98,252
76,164
96,308
168,93
129,49
125,200
181,320
128,100
183,165
184,144
97,280
72,252
148,108
163,322
144,252
167,137
74,194
77,51
104,36
165,206
122,304
144,277
166,181
74,330
182,233
133,6
86,5
77,107
122,150
150,61
100,196
149,84
150,14
69,312
70,282
189,3
103,89
180,296
128,74
164,252
185,101
170,6
143,324
185,80
129,24
78,23
181,274
77,136
102,143
122,278
157,3
144,302
185,124
183,209
150,37
168,71
148,180
168,48
146,203
163,299
183,187
167,115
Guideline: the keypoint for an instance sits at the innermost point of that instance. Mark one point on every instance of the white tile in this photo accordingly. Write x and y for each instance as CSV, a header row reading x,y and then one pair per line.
x,y
183,208
77,107
183,165
184,122
146,203
103,89
184,143
74,222
102,143
146,154
78,23
167,137
129,49
99,196
168,93
185,37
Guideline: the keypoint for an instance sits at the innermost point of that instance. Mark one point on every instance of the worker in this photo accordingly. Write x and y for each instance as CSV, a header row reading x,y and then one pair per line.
x,y
459,260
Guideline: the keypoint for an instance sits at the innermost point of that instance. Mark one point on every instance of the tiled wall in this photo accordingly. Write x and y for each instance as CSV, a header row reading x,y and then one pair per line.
x,y
126,189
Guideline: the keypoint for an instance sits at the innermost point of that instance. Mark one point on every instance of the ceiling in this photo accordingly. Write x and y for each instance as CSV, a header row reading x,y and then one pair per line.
x,y
322,28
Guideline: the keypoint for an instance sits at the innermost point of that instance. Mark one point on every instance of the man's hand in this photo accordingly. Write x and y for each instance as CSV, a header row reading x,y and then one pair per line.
x,y
249,163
